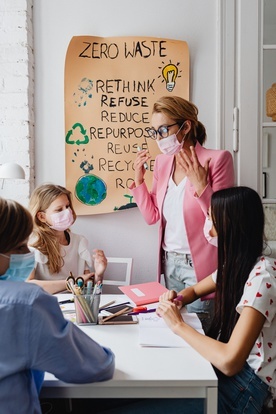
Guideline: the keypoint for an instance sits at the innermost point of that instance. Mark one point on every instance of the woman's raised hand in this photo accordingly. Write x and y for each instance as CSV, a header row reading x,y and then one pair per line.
x,y
195,172
142,157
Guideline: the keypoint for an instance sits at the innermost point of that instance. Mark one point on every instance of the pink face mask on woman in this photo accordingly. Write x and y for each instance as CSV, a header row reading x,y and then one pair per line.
x,y
206,230
170,145
62,220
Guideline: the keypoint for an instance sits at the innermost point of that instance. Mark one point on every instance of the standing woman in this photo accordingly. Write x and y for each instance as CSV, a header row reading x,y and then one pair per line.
x,y
184,179
241,343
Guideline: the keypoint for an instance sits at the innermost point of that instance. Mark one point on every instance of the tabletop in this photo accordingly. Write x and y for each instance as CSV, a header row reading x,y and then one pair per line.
x,y
141,371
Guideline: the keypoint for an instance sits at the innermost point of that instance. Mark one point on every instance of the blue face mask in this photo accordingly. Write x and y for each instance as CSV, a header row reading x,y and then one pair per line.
x,y
20,267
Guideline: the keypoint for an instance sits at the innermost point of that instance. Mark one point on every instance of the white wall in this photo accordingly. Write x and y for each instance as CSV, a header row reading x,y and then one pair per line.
x,y
55,23
16,95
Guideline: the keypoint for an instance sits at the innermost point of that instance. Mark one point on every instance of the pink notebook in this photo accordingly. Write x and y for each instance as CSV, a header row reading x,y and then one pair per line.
x,y
144,293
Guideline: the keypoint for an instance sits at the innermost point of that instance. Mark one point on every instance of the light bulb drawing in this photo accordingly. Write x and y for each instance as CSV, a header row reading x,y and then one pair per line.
x,y
169,73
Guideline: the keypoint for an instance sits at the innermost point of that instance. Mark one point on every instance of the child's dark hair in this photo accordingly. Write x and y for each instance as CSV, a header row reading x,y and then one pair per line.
x,y
16,224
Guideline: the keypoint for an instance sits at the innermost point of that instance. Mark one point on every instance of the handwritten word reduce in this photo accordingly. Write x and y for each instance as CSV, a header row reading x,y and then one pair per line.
x,y
125,117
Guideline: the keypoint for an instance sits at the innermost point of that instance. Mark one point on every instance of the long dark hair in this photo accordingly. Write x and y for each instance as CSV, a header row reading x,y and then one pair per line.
x,y
238,217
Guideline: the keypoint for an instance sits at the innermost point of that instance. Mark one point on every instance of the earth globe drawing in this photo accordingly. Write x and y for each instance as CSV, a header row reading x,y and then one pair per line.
x,y
90,190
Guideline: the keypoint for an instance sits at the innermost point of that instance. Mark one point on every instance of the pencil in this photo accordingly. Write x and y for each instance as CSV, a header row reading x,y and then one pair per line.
x,y
107,305
121,312
84,313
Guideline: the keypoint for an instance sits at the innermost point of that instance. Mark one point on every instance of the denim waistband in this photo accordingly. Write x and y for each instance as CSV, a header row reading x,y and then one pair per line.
x,y
176,254
187,257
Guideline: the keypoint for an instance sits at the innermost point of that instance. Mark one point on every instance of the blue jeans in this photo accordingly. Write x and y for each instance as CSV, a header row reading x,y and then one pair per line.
x,y
179,274
244,393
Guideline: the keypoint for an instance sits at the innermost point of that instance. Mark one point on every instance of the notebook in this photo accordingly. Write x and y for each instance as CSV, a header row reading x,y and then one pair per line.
x,y
153,330
144,293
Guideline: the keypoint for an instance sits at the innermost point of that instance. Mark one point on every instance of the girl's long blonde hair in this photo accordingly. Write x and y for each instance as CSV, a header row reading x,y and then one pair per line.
x,y
43,237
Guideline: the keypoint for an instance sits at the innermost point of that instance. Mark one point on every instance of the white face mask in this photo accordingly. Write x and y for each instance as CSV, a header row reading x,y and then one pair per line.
x,y
62,220
171,145
208,225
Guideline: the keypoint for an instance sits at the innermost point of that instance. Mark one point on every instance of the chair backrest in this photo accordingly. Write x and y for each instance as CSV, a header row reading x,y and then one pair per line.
x,y
118,272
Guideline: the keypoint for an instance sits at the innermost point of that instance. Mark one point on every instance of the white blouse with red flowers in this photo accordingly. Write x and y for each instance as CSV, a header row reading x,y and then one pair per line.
x,y
260,294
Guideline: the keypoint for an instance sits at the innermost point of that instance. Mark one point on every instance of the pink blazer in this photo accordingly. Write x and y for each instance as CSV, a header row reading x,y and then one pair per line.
x,y
221,175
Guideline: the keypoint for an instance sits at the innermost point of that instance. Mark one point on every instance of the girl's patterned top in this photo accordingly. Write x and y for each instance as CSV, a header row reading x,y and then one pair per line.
x,y
260,294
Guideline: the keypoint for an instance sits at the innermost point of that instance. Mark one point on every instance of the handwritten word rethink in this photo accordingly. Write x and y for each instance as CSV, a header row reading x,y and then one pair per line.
x,y
123,86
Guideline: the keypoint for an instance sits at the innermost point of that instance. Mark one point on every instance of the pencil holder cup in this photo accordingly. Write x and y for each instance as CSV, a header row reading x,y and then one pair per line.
x,y
87,309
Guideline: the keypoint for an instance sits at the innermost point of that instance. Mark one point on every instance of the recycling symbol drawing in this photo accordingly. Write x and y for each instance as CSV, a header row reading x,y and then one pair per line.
x,y
77,135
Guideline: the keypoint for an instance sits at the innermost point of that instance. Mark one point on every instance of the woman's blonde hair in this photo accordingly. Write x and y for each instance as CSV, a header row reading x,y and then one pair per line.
x,y
44,238
180,110
16,224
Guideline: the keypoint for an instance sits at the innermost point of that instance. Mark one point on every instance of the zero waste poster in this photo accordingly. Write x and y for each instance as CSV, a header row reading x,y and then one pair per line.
x,y
111,85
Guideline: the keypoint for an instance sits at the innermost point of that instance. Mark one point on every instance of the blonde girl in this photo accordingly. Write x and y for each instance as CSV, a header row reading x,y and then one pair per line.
x,y
59,251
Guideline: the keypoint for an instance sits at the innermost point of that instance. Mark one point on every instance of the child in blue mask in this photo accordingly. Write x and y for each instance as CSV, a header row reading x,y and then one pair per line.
x,y
16,260
59,251
33,330
20,266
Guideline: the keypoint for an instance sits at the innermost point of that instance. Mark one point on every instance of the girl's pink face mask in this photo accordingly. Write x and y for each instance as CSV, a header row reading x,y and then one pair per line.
x,y
62,220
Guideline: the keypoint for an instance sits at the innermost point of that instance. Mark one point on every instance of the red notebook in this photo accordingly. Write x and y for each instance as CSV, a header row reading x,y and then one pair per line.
x,y
144,293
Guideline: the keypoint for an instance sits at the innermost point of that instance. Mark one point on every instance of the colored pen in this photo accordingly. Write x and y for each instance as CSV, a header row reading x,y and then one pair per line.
x,y
142,311
145,164
179,297
115,306
89,287
139,309
63,302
